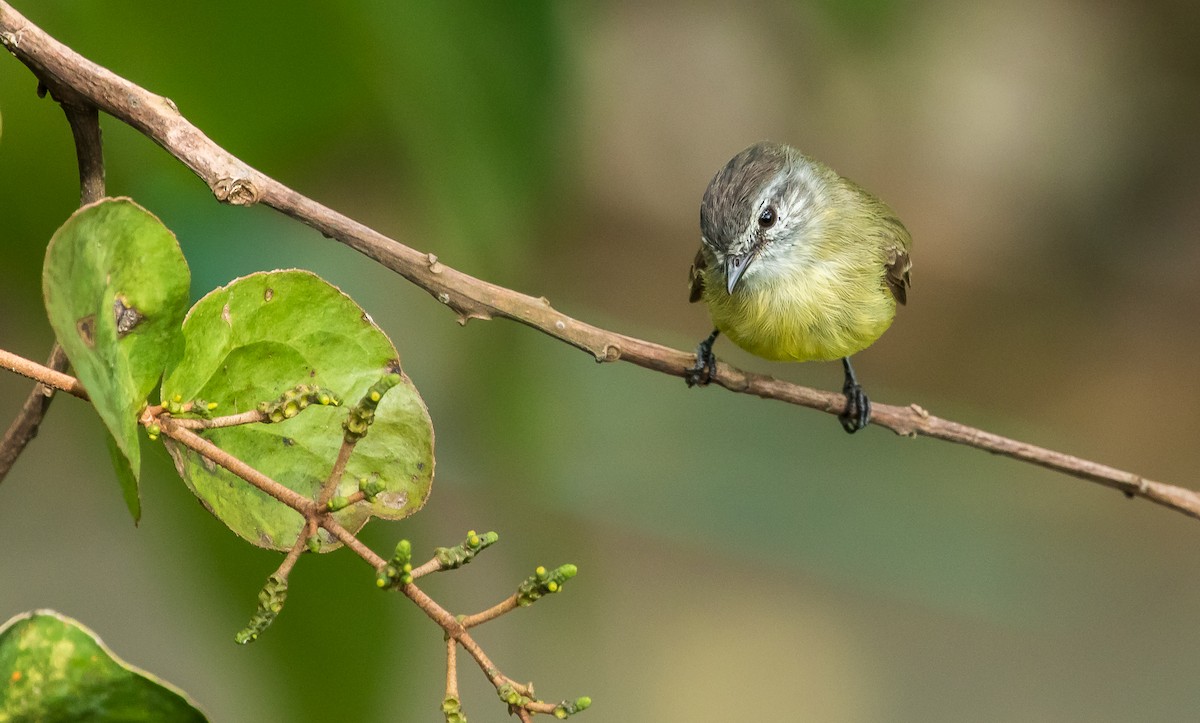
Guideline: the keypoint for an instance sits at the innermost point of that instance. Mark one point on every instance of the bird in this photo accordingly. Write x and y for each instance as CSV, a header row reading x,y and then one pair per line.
x,y
797,263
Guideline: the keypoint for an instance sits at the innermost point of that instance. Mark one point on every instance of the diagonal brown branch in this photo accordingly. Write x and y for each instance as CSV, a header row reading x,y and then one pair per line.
x,y
235,182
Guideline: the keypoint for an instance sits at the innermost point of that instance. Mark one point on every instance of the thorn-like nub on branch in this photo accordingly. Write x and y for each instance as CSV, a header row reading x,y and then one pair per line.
x,y
459,555
544,582
296,400
398,570
270,603
362,415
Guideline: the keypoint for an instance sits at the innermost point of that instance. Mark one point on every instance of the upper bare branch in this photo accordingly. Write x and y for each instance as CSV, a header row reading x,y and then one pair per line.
x,y
235,182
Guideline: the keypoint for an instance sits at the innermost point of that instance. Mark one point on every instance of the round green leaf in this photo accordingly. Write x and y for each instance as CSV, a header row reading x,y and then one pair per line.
x,y
116,289
258,337
52,668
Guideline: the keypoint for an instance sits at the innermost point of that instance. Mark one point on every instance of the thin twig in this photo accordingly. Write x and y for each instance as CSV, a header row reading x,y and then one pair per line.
x,y
196,443
451,668
50,377
84,120
436,612
232,420
506,605
538,706
348,538
233,181
89,147
285,567
335,475
433,565
25,426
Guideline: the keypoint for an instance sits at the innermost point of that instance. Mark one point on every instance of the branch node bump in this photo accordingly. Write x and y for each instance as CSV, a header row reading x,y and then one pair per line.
x,y
236,191
608,353
465,315
11,40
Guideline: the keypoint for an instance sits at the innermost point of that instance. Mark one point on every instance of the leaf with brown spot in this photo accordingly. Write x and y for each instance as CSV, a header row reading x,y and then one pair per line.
x,y
116,289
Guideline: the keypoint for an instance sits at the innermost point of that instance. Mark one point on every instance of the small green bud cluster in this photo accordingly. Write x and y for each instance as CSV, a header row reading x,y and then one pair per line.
x,y
568,708
459,555
398,570
363,414
509,694
337,502
270,603
176,406
452,709
371,488
544,582
314,543
296,400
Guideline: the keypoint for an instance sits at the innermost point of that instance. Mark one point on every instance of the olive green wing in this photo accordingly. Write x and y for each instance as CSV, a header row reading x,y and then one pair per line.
x,y
893,238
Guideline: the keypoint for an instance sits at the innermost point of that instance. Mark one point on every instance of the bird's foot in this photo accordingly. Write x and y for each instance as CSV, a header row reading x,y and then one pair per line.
x,y
858,408
706,363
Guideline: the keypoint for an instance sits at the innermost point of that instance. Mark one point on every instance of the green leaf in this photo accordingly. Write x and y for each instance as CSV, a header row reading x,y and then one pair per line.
x,y
52,668
261,335
116,289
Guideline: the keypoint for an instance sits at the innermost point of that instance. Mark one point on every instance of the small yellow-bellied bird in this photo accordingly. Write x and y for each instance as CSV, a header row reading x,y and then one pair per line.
x,y
797,263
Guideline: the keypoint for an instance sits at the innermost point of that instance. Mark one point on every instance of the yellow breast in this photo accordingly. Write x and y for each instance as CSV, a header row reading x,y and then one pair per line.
x,y
810,312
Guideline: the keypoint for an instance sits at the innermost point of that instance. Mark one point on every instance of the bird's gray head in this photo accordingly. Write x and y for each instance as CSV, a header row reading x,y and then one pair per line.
x,y
757,207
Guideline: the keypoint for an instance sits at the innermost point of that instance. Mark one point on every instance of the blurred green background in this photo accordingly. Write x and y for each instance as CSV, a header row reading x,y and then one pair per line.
x,y
740,559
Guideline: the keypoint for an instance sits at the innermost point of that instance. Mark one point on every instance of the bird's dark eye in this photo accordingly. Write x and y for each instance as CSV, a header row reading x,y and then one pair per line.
x,y
767,218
